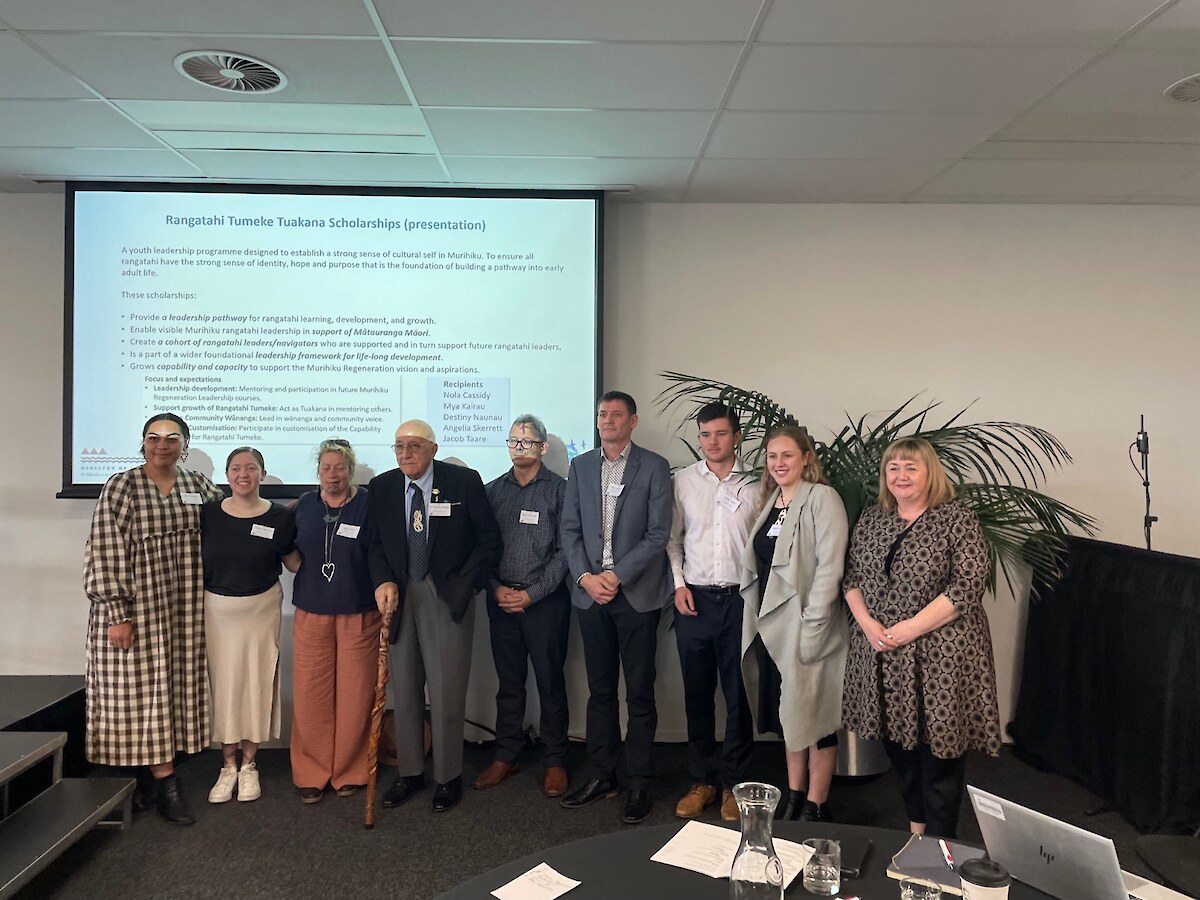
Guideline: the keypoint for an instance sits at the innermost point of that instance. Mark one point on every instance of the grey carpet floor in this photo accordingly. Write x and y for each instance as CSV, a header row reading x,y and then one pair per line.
x,y
277,847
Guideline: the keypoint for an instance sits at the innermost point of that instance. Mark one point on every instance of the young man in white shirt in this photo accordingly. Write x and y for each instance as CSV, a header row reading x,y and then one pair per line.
x,y
714,511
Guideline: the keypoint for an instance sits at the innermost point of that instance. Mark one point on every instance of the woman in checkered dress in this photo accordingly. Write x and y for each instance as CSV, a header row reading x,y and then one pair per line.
x,y
146,667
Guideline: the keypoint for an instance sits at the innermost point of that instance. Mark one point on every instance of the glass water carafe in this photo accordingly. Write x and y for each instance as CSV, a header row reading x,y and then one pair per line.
x,y
757,873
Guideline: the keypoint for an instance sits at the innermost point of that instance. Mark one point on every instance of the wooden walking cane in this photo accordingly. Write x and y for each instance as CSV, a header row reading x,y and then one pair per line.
x,y
381,680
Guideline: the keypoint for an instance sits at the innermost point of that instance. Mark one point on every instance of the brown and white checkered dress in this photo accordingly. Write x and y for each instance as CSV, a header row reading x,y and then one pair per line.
x,y
142,562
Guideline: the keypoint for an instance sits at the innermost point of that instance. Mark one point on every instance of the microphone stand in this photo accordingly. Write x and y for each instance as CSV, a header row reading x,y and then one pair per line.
x,y
1143,447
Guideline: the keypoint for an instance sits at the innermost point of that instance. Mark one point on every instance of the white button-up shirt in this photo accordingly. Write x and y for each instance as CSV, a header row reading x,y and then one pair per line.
x,y
712,523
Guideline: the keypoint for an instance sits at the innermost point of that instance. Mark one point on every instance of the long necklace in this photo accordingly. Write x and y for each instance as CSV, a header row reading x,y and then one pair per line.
x,y
331,526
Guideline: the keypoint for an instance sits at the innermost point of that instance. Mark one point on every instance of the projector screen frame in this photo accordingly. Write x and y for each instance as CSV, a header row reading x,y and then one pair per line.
x,y
90,491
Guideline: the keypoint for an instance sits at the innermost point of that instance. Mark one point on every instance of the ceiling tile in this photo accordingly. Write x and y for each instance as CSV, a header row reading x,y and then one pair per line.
x,y
572,76
768,135
544,171
900,79
775,181
1128,81
210,17
276,140
1098,151
1061,22
331,168
143,68
611,20
92,165
505,132
21,186
25,73
1177,28
342,120
68,123
1134,127
1050,179
1185,188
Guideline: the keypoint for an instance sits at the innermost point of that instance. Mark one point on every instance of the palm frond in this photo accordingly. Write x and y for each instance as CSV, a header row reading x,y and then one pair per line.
x,y
996,467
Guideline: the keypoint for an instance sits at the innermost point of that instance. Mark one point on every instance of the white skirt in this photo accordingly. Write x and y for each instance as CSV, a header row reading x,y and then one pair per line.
x,y
242,634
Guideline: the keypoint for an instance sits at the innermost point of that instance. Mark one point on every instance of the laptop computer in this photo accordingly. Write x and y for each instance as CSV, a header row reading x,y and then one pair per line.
x,y
1056,858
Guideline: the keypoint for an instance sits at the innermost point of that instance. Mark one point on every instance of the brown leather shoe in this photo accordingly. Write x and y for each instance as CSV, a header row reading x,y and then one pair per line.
x,y
494,774
729,807
555,782
694,802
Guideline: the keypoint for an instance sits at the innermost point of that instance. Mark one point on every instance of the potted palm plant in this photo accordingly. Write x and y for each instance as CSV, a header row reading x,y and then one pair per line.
x,y
997,468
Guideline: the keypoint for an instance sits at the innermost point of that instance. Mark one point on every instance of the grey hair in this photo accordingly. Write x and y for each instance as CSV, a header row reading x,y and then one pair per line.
x,y
533,422
342,448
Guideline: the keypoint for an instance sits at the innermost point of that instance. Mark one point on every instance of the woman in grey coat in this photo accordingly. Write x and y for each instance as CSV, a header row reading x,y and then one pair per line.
x,y
794,628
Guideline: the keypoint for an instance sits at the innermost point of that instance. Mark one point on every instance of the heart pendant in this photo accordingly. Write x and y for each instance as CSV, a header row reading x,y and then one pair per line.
x,y
327,571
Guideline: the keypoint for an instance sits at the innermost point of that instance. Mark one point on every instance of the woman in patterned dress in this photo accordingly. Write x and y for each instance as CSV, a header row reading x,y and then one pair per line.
x,y
146,668
920,674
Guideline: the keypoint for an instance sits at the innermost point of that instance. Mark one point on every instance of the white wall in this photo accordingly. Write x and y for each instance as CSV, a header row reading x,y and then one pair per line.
x,y
1076,319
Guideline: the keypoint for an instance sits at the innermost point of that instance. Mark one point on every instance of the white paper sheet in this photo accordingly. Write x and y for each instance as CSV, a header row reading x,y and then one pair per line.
x,y
539,883
709,850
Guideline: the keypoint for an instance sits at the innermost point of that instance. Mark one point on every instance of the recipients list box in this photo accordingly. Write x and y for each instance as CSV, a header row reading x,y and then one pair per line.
x,y
469,412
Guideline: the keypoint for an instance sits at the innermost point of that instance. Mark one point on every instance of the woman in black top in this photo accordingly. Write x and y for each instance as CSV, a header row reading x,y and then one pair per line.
x,y
245,540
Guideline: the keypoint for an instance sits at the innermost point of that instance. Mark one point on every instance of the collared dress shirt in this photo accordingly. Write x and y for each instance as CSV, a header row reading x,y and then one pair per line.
x,y
532,553
611,472
712,523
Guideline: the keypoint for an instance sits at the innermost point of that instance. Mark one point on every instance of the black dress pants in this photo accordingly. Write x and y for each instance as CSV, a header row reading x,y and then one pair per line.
x,y
617,637
932,787
537,636
710,645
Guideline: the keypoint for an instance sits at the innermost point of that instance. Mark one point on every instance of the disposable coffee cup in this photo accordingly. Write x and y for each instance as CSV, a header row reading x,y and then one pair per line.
x,y
983,879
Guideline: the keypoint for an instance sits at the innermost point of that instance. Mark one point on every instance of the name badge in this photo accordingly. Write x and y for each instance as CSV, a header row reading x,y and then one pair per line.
x,y
439,509
530,517
348,531
262,531
773,531
730,501
614,490
190,498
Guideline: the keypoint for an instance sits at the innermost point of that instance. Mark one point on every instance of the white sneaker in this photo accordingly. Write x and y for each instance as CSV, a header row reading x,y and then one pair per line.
x,y
247,779
222,791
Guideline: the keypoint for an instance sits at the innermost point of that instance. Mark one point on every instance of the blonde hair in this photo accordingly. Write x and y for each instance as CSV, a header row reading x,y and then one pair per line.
x,y
813,472
916,449
342,448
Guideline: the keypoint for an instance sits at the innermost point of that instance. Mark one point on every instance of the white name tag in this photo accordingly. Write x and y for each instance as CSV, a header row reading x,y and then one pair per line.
x,y
262,531
773,531
530,517
730,501
349,531
614,490
439,509
190,498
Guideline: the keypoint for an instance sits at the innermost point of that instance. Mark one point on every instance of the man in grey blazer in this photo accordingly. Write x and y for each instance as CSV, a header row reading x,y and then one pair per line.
x,y
616,522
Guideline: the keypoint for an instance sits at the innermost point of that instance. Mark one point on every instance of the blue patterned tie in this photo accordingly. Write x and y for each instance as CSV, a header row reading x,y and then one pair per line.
x,y
418,533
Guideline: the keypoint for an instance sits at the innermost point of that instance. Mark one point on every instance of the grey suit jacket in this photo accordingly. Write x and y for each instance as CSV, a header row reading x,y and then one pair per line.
x,y
641,528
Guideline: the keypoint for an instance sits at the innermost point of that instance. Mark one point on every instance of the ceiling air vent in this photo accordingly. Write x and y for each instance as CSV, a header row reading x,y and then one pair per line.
x,y
1185,91
232,72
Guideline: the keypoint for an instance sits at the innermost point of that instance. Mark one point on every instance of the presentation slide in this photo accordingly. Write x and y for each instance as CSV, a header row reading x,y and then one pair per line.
x,y
277,320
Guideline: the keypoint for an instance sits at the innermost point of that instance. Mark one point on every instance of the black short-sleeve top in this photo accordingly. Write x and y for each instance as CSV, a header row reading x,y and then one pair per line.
x,y
243,557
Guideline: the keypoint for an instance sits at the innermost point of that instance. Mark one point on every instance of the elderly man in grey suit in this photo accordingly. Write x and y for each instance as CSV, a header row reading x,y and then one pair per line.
x,y
616,522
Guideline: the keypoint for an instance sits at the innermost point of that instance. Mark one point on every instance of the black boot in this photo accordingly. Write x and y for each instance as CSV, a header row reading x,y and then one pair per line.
x,y
791,807
145,793
171,804
815,812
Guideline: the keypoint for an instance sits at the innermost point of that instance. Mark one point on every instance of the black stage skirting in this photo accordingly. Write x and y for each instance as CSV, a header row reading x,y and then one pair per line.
x,y
1110,688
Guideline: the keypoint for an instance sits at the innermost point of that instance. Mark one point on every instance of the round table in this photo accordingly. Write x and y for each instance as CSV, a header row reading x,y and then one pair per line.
x,y
618,865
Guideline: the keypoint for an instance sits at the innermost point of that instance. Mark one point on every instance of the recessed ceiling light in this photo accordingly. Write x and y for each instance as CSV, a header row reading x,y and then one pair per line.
x,y
233,72
1186,90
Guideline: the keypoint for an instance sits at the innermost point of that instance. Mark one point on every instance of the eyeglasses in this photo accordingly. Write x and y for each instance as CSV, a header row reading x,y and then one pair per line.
x,y
523,444
152,438
337,442
413,447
